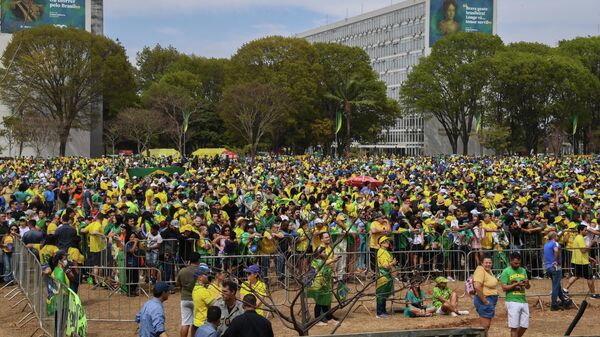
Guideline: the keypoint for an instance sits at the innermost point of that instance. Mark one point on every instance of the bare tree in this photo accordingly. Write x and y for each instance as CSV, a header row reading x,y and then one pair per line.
x,y
112,134
250,110
40,132
141,126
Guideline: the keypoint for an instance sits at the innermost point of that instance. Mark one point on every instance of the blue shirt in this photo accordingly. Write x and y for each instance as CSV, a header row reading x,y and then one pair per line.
x,y
549,257
206,330
151,318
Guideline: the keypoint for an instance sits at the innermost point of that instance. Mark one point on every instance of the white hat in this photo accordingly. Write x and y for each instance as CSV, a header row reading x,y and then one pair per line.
x,y
318,220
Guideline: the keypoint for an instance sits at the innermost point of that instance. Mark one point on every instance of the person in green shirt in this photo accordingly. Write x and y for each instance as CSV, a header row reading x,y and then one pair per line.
x,y
514,282
445,299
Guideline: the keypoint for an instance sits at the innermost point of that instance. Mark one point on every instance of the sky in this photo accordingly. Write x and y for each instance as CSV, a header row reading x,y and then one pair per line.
x,y
217,28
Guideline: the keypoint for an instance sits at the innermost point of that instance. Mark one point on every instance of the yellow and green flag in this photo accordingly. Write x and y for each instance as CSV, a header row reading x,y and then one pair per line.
x,y
338,122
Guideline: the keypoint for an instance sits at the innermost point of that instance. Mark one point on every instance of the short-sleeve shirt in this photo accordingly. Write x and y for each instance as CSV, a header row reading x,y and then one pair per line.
x,y
580,257
259,288
489,282
375,237
439,292
549,257
510,276
411,298
202,298
97,242
188,281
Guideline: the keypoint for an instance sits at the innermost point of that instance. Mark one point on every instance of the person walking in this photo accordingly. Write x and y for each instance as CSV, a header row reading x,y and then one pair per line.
x,y
580,259
486,289
186,281
151,318
250,323
229,305
552,263
202,297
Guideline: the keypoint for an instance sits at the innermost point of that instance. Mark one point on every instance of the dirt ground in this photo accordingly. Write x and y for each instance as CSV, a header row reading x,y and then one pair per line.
x,y
101,304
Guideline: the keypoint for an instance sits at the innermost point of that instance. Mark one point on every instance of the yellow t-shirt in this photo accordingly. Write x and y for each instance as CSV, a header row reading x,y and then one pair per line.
x,y
202,298
301,241
259,288
579,257
97,242
8,239
489,282
316,240
51,228
487,242
267,245
375,237
149,199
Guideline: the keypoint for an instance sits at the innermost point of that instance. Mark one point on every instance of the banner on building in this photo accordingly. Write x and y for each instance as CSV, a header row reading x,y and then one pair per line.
x,y
23,14
452,16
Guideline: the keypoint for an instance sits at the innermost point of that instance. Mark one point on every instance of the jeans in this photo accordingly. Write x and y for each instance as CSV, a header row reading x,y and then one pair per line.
x,y
556,275
361,261
381,306
7,272
280,264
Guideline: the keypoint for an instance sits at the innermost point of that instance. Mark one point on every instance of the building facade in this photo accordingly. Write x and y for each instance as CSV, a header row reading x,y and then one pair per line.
x,y
86,143
395,38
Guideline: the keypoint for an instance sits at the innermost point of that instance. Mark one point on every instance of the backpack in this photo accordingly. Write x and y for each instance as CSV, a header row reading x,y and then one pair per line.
x,y
469,286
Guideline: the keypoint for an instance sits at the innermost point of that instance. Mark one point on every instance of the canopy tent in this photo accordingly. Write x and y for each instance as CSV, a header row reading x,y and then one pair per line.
x,y
165,153
211,152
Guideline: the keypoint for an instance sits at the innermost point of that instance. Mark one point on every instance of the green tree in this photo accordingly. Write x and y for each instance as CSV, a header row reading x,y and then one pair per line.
x,y
152,63
289,64
529,93
587,51
350,85
450,84
61,74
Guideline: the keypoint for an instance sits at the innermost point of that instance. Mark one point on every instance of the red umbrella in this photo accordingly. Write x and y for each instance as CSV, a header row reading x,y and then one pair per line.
x,y
230,154
361,180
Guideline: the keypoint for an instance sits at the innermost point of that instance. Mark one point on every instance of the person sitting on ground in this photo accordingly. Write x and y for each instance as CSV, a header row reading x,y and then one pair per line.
x,y
445,299
415,306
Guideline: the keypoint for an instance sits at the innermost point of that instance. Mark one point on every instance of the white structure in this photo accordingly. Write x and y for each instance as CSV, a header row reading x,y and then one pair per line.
x,y
395,38
81,143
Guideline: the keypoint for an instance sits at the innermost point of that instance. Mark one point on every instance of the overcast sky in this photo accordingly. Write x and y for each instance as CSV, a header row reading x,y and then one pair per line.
x,y
217,28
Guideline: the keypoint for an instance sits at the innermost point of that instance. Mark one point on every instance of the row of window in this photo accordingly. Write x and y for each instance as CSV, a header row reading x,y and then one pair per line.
x,y
376,37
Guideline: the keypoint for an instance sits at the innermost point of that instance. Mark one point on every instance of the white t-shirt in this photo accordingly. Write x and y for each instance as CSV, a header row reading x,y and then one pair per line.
x,y
153,241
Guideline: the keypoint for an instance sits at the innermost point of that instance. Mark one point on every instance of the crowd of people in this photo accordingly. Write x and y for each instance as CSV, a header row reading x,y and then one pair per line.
x,y
248,219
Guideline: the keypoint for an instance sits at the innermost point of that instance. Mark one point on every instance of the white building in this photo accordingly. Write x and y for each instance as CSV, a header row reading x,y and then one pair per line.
x,y
81,142
395,38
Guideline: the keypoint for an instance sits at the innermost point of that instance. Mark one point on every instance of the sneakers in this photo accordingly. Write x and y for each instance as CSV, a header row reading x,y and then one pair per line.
x,y
321,324
450,279
463,312
566,291
383,316
568,304
555,308
453,314
334,322
595,296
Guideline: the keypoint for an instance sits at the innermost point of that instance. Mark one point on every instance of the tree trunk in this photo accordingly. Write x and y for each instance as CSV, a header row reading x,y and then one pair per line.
x,y
465,141
347,111
63,138
454,143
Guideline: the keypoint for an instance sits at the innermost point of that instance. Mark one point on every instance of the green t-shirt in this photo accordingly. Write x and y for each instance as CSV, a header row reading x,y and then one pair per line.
x,y
510,276
438,292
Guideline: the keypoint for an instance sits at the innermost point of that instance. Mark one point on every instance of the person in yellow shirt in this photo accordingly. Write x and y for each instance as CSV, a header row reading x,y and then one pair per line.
x,y
8,246
386,265
489,227
380,227
316,232
201,296
254,286
149,196
97,242
581,261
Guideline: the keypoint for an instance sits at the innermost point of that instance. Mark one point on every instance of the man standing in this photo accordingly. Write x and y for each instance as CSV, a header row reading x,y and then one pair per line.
x,y
186,281
514,282
581,261
552,263
201,296
151,318
249,323
229,304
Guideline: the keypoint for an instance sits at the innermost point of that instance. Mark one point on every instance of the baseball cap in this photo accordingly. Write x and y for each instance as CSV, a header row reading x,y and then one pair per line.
x,y
383,239
441,279
202,269
254,269
161,287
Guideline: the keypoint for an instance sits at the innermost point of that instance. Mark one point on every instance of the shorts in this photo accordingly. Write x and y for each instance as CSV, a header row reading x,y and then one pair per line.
x,y
187,312
486,311
151,259
518,315
583,270
94,259
440,311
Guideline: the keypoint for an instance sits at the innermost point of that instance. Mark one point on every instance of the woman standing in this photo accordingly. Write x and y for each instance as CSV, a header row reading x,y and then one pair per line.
x,y
254,286
486,288
8,246
385,268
